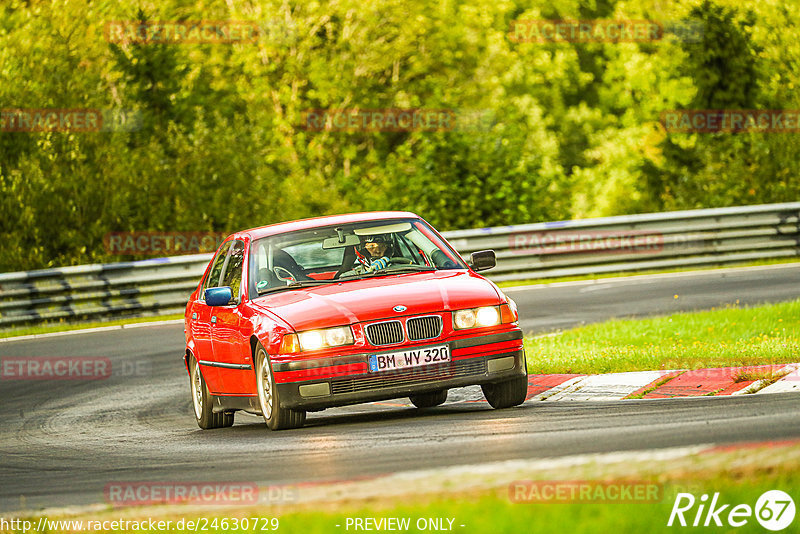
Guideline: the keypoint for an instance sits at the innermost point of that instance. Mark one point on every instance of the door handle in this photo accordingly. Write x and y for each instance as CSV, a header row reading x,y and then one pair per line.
x,y
214,319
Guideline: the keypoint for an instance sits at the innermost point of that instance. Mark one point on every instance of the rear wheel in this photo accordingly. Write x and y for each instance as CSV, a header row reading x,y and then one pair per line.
x,y
201,400
506,394
277,418
429,400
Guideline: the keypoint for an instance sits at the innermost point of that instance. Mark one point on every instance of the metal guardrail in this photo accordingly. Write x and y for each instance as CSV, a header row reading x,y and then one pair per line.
x,y
543,250
667,240
139,288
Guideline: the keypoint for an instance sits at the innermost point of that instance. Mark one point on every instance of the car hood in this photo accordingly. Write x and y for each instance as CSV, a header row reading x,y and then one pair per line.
x,y
373,298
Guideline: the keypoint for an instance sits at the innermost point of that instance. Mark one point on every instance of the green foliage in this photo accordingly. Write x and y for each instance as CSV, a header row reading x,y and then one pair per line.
x,y
733,67
564,129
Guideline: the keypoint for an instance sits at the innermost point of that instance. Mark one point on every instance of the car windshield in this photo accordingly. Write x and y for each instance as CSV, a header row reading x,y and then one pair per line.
x,y
347,252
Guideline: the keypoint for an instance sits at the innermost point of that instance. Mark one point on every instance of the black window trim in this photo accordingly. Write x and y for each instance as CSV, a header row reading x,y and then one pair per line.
x,y
224,270
228,243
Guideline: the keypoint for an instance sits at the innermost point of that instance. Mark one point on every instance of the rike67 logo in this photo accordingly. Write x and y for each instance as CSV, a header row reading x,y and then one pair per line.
x,y
774,510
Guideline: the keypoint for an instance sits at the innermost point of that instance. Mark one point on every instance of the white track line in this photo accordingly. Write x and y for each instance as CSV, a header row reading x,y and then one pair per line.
x,y
657,276
91,330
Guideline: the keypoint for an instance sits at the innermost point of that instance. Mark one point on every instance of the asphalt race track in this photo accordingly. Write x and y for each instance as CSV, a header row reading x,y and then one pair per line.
x,y
545,308
62,442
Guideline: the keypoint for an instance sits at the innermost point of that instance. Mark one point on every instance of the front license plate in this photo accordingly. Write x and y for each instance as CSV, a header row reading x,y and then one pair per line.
x,y
389,361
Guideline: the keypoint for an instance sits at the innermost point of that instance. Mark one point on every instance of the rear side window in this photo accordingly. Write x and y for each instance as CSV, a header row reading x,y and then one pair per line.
x,y
212,280
233,269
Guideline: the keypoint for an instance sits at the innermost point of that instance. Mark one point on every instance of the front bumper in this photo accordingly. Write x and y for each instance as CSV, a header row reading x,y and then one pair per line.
x,y
475,360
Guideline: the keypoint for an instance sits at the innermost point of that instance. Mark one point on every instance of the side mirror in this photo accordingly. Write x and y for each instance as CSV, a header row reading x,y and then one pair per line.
x,y
482,260
218,296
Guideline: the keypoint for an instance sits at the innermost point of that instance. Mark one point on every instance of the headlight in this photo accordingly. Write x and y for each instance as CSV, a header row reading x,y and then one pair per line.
x,y
311,340
476,317
317,339
487,316
464,319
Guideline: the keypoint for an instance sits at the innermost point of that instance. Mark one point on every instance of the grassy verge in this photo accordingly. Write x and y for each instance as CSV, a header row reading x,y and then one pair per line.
x,y
64,327
496,514
718,338
624,274
740,475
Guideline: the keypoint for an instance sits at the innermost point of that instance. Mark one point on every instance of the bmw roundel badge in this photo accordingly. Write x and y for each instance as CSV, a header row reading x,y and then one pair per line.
x,y
399,308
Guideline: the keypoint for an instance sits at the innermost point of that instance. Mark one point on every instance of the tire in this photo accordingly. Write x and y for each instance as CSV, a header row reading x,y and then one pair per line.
x,y
429,400
277,418
201,401
506,394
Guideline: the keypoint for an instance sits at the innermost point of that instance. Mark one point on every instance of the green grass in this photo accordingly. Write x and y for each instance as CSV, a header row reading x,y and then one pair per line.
x,y
496,514
732,336
63,327
624,274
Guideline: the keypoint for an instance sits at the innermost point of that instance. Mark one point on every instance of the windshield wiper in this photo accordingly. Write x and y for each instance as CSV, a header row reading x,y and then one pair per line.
x,y
392,269
399,269
296,285
414,268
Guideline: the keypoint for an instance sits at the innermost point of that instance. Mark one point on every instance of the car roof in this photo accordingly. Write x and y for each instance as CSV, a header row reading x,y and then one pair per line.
x,y
305,224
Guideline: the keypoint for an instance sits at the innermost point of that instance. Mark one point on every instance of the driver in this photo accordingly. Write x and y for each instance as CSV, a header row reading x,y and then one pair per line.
x,y
379,248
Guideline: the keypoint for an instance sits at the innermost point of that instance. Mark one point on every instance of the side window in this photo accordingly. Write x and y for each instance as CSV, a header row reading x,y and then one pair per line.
x,y
233,269
212,280
406,251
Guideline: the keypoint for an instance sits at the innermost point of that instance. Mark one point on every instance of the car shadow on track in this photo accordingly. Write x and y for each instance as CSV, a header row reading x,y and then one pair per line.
x,y
373,416
369,414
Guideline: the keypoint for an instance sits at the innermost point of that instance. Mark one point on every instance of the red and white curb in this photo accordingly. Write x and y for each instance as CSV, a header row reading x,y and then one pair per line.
x,y
790,382
607,387
718,382
722,381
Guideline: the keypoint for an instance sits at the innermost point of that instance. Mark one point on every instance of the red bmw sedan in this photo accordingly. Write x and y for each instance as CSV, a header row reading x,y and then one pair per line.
x,y
306,315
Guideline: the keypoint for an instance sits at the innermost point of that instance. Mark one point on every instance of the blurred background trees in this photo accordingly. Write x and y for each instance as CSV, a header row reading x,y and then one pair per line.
x,y
562,130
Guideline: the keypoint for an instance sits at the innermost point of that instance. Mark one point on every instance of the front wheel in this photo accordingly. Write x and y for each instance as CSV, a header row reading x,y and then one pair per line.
x,y
429,400
277,418
201,400
506,394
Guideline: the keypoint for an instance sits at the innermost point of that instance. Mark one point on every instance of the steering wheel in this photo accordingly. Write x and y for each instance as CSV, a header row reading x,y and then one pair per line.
x,y
399,260
360,269
283,274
